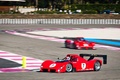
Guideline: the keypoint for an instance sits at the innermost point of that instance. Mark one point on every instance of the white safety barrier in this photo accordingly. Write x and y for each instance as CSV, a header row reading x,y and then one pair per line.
x,y
59,21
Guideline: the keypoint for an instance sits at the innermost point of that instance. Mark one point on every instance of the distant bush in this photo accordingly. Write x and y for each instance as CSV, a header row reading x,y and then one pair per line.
x,y
89,12
96,7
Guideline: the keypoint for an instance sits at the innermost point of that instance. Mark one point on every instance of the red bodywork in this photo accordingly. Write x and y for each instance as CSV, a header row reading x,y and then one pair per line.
x,y
79,43
77,63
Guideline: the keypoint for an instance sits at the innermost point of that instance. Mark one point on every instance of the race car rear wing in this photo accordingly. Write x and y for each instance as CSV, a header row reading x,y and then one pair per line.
x,y
95,55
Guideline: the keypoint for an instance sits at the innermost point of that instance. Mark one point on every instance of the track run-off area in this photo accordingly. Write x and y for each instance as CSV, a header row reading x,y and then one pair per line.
x,y
41,42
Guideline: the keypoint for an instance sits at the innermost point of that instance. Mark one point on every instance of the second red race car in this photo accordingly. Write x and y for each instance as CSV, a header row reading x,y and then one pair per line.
x,y
74,63
79,43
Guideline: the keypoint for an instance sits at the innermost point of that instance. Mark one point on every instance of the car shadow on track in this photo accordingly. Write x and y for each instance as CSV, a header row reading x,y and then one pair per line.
x,y
78,49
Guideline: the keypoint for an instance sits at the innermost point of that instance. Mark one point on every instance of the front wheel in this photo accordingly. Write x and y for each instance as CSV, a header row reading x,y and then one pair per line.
x,y
97,66
72,46
69,68
66,45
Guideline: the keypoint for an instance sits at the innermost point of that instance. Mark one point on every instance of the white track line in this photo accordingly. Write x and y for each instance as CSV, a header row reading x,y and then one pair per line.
x,y
58,40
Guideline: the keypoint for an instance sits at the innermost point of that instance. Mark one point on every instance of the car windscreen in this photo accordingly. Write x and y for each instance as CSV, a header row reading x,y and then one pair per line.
x,y
61,60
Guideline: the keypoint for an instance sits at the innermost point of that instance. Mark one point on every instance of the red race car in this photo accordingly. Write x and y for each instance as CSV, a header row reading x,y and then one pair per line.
x,y
74,63
78,43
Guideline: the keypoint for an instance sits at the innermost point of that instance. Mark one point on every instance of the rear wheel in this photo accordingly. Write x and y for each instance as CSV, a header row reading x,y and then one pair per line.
x,y
74,70
69,68
97,66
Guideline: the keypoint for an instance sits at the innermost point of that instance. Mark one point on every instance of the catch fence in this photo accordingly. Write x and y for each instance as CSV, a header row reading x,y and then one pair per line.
x,y
59,21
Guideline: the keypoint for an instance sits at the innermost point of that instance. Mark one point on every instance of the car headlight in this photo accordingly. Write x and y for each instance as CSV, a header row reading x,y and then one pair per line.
x,y
41,66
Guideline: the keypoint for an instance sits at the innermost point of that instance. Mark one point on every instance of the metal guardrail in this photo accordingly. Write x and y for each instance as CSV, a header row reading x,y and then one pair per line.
x,y
59,21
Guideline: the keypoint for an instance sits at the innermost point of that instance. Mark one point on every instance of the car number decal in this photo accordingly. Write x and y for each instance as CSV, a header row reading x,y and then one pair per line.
x,y
52,65
83,65
85,44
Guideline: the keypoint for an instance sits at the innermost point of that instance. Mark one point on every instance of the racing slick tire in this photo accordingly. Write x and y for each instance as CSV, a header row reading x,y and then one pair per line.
x,y
66,45
69,68
97,66
72,46
74,70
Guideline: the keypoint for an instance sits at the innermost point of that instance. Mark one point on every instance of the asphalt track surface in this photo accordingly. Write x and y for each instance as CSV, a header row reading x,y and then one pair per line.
x,y
43,49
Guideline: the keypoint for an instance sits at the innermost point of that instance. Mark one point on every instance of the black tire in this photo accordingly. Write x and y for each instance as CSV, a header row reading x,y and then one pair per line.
x,y
72,46
97,66
74,70
69,68
66,45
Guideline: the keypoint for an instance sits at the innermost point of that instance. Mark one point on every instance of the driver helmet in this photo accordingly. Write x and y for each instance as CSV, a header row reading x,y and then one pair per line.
x,y
68,58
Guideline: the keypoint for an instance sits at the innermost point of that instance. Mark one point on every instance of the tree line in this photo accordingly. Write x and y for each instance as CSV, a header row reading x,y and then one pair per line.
x,y
57,4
